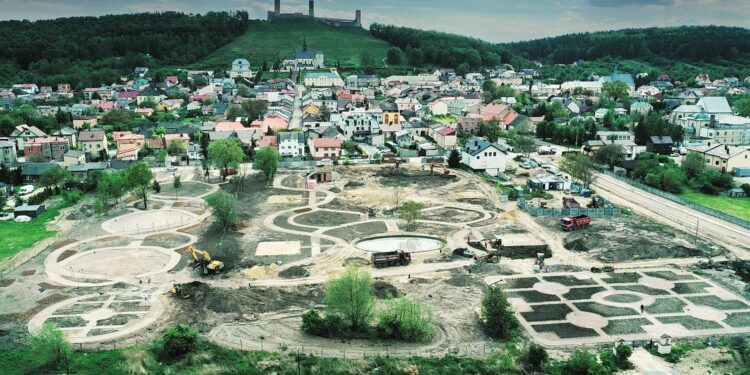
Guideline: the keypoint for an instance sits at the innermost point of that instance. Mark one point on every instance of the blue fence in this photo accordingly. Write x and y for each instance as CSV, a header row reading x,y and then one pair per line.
x,y
593,212
686,203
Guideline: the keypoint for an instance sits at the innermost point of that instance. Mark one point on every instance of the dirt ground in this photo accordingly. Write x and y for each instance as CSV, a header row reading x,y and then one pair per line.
x,y
628,238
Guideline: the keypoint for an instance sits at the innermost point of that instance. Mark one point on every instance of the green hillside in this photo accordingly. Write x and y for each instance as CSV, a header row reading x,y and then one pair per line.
x,y
270,41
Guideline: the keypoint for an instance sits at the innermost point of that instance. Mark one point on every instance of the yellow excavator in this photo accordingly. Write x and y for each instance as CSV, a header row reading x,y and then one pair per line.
x,y
202,259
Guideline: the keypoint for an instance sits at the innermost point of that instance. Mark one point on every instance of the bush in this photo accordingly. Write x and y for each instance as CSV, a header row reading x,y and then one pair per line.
x,y
499,320
179,340
406,320
50,345
72,196
582,363
534,357
39,198
746,189
352,297
330,326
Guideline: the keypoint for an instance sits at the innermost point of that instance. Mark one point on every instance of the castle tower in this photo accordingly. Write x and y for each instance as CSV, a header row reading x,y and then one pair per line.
x,y
277,7
358,17
312,8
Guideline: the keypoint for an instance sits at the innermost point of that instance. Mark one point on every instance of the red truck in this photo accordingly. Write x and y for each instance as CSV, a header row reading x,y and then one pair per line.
x,y
391,258
577,222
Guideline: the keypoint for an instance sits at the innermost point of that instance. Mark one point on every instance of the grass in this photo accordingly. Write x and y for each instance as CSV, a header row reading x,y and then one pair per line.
x,y
569,280
583,293
737,207
669,275
623,298
327,218
718,303
621,278
20,236
626,326
604,310
520,283
740,319
445,120
565,330
690,288
543,313
532,296
689,322
642,289
668,305
273,41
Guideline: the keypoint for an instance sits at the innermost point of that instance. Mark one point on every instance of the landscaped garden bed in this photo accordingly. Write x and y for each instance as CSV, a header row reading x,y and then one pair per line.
x,y
565,330
626,326
543,313
689,322
604,310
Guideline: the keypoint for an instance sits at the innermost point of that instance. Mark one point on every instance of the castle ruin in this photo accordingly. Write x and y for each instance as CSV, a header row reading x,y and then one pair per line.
x,y
276,14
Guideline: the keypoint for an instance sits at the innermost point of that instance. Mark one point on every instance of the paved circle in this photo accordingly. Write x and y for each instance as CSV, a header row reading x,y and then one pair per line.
x,y
149,221
412,244
623,298
655,282
547,287
114,262
587,319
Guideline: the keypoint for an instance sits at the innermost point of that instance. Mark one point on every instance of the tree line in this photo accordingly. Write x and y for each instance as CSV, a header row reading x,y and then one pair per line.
x,y
87,51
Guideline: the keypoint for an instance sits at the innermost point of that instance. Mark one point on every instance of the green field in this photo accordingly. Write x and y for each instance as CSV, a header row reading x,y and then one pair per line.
x,y
19,236
737,207
270,41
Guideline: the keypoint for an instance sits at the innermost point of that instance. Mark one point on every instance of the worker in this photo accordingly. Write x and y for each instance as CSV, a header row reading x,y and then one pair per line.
x,y
642,308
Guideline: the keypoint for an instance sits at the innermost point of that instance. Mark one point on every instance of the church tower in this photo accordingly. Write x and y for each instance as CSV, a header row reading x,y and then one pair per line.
x,y
312,8
277,7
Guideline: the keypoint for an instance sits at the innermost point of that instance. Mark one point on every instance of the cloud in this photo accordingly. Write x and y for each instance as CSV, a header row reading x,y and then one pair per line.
x,y
626,3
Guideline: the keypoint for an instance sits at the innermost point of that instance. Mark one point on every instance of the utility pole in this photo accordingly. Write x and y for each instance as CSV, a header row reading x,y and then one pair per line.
x,y
697,224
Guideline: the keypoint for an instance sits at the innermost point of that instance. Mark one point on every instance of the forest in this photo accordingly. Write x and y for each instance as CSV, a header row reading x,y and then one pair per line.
x,y
89,51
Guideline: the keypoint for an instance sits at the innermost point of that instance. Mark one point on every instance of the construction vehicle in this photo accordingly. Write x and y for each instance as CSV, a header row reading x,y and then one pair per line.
x,y
391,258
539,262
570,202
446,173
575,222
178,291
202,259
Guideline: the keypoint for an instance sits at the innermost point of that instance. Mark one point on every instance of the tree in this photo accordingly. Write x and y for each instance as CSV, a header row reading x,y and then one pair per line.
x,y
534,357
325,113
742,105
224,208
225,154
394,56
140,178
3,199
497,315
267,160
693,164
53,177
622,353
610,155
673,180
454,159
50,344
582,362
175,148
616,90
176,184
351,296
410,212
179,340
254,109
525,144
580,167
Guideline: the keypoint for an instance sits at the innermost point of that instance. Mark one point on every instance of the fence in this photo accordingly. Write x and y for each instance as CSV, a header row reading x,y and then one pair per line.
x,y
593,212
676,199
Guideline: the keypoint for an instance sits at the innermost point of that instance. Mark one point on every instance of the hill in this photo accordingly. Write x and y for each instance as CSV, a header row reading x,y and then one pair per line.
x,y
272,41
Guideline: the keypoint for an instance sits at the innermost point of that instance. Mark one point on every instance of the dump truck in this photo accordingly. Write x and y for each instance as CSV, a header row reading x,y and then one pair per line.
x,y
391,258
570,202
575,222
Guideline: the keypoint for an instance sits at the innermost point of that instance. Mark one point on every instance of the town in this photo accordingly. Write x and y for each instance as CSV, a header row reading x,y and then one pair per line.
x,y
602,223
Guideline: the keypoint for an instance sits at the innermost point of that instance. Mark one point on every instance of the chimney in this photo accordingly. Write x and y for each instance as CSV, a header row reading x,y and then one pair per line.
x,y
726,149
277,7
712,123
312,8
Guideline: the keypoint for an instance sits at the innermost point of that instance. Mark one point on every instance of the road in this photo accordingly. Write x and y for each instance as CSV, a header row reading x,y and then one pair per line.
x,y
733,237
296,122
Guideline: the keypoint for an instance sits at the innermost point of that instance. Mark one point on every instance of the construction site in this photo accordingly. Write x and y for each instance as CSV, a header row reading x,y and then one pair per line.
x,y
126,276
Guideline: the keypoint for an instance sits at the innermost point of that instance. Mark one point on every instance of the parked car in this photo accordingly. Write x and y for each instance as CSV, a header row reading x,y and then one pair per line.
x,y
26,189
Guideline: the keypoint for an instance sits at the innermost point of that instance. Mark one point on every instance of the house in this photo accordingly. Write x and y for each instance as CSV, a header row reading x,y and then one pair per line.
x,y
325,148
24,132
724,158
603,135
291,144
323,79
481,155
268,141
438,108
94,143
494,112
710,105
79,122
150,95
661,145
31,172
74,157
128,142
408,104
182,139
303,60
8,153
642,108
240,69
68,133
83,170
470,123
45,149
444,136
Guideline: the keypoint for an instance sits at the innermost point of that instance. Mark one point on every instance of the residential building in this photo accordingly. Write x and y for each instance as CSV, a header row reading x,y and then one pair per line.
x,y
82,171
22,133
94,143
471,123
661,145
303,60
481,155
724,158
710,105
74,157
292,144
8,153
45,149
444,136
79,122
31,172
68,133
642,108
325,148
323,79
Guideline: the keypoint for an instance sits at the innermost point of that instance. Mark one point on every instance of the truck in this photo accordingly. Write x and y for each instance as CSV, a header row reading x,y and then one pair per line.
x,y
546,150
575,222
391,258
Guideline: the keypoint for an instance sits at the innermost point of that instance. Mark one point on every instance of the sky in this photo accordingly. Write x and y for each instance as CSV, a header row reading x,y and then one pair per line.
x,y
491,20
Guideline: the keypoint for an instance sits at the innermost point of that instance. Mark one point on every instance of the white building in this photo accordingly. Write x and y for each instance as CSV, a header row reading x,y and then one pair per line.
x,y
323,79
481,155
304,60
292,144
241,69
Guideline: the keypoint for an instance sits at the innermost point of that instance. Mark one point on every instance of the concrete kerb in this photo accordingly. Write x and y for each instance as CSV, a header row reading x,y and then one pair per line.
x,y
186,219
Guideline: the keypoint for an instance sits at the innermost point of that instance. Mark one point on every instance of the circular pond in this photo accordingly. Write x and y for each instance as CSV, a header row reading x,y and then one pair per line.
x,y
413,244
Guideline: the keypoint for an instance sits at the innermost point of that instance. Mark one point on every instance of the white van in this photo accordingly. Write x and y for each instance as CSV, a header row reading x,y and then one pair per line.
x,y
26,189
